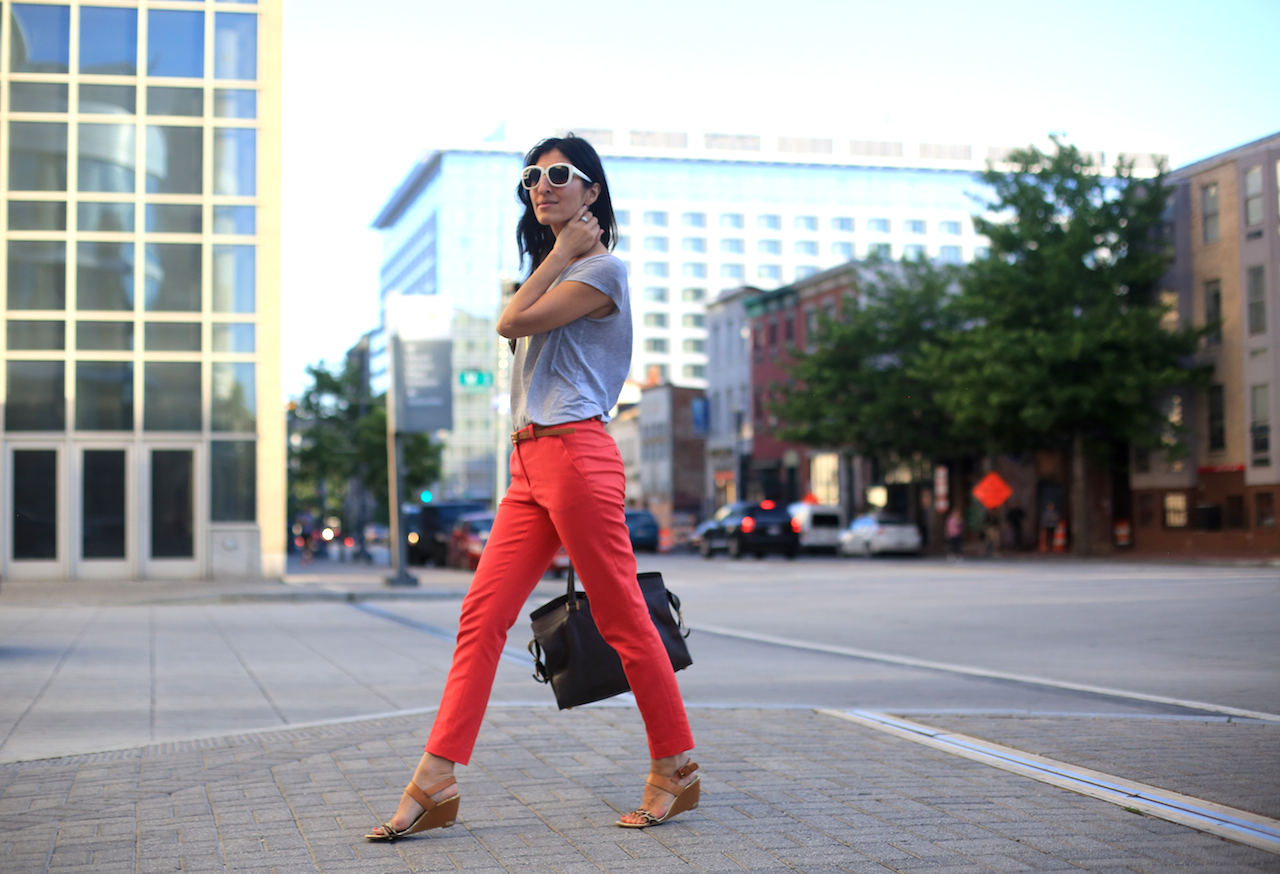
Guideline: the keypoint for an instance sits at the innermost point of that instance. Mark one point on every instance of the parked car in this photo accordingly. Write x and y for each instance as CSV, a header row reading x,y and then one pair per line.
x,y
559,564
467,540
429,529
819,526
744,527
880,532
644,530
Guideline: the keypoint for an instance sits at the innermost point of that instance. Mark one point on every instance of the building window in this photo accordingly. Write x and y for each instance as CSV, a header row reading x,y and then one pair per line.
x,y
35,396
1264,504
731,220
1233,512
655,344
806,223
879,250
732,247
655,294
1217,419
694,346
695,371
175,43
769,247
913,251
656,268
732,271
48,43
1213,312
233,480
806,247
235,46
235,161
1175,510
234,277
1146,510
769,222
1253,197
804,271
914,226
693,295
879,226
656,371
623,245
697,245
842,224
622,217
1209,212
694,271
1257,296
694,219
771,272
949,254
655,244
949,228
1260,424
171,396
842,250
981,252
655,320
655,218
693,320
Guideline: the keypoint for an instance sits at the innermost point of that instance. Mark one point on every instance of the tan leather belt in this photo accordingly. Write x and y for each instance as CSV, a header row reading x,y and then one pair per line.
x,y
536,431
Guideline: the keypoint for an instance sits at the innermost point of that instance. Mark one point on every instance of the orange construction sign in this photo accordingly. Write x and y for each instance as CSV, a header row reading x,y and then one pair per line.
x,y
992,491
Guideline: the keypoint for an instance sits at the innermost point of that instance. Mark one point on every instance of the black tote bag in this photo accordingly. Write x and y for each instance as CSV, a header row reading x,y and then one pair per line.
x,y
569,653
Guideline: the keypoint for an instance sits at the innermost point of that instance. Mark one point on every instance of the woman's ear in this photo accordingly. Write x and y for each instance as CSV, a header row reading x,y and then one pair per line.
x,y
592,193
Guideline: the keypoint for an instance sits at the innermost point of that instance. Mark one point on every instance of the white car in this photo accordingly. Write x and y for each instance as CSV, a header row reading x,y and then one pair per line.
x,y
880,532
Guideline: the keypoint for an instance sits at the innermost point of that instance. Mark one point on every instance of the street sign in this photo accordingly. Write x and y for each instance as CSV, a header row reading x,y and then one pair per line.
x,y
992,491
424,377
475,379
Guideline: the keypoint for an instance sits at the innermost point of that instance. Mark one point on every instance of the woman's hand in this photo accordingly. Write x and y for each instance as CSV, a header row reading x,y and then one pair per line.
x,y
580,235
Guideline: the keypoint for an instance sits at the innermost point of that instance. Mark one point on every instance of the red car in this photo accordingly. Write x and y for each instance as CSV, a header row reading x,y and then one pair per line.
x,y
467,540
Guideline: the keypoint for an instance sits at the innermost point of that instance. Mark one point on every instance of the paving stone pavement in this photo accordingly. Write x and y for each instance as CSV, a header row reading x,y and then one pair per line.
x,y
783,790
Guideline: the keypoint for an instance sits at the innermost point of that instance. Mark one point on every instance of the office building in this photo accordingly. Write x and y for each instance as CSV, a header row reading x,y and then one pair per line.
x,y
1221,497
142,435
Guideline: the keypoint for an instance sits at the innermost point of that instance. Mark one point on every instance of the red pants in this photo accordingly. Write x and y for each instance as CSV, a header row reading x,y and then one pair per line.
x,y
566,489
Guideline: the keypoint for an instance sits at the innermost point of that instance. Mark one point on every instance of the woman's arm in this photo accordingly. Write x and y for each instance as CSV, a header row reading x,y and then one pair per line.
x,y
537,307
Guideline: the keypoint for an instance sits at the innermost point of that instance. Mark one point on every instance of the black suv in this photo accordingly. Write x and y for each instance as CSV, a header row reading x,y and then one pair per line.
x,y
429,529
744,527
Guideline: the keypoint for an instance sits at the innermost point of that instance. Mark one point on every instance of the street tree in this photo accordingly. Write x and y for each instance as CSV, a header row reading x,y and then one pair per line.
x,y
1066,343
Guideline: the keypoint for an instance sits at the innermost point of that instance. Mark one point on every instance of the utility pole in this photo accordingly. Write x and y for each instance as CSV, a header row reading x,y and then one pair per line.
x,y
400,575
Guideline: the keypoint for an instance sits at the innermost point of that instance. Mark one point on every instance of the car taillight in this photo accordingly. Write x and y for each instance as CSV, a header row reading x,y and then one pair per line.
x,y
748,524
795,525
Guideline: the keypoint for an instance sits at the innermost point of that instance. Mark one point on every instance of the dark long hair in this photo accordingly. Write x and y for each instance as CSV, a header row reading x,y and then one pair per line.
x,y
536,239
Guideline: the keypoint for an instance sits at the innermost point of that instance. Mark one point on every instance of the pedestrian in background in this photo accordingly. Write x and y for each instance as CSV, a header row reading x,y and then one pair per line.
x,y
1049,520
571,326
955,535
1015,516
991,533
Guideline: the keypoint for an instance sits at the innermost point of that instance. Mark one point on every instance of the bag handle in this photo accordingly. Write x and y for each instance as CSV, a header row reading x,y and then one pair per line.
x,y
571,603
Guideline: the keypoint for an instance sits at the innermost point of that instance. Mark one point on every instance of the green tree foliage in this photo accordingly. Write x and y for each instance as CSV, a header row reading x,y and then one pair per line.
x,y
342,438
861,388
1063,335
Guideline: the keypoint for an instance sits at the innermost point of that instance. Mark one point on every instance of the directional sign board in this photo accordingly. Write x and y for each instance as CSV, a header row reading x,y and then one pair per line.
x,y
425,380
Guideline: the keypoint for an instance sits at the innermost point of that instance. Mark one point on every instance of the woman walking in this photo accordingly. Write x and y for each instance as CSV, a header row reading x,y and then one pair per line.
x,y
570,323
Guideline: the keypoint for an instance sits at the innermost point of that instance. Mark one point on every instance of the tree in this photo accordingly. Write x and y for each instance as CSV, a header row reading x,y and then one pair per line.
x,y
342,439
1064,343
860,389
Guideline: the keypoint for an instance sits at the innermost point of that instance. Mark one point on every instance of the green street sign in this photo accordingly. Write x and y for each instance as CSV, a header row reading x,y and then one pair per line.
x,y
475,379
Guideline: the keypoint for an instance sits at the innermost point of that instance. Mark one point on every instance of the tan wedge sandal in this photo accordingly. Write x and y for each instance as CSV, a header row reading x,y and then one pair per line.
x,y
433,815
686,797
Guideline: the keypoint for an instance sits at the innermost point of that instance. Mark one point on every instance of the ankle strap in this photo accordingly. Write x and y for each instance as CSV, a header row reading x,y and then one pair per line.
x,y
424,798
668,785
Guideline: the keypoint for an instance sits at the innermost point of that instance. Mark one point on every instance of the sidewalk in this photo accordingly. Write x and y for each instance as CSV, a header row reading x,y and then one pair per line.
x,y
783,790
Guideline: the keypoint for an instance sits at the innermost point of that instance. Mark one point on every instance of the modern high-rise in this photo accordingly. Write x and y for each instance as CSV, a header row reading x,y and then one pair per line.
x,y
142,430
698,213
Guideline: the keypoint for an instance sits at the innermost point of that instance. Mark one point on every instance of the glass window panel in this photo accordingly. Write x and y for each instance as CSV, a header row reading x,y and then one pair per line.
x,y
235,161
103,499
172,504
35,396
39,38
175,101
109,99
175,43
234,337
233,480
107,157
35,504
37,156
173,218
235,46
241,220
234,279
234,397
37,215
104,336
173,337
26,335
37,97
175,157
171,396
235,103
37,275
108,41
114,217
173,277
104,395
104,276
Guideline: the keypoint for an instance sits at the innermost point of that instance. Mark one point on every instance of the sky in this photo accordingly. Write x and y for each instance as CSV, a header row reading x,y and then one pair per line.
x,y
369,87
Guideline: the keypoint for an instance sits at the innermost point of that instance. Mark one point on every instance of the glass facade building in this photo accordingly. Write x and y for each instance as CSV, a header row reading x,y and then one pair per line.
x,y
139,365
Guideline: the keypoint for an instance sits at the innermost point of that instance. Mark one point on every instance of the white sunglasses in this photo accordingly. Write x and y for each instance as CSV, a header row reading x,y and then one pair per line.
x,y
559,175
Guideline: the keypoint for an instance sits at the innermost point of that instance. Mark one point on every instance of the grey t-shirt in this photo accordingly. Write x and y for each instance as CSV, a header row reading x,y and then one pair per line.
x,y
576,371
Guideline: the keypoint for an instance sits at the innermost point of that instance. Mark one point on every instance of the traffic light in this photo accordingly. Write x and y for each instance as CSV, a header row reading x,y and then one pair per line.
x,y
426,496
